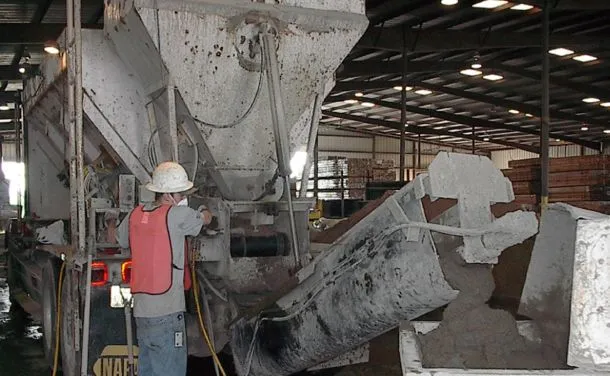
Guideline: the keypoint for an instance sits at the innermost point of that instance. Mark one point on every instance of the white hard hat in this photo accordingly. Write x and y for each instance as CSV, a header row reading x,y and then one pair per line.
x,y
169,177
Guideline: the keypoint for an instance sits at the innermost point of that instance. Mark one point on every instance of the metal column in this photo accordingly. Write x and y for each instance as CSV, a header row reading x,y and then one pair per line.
x,y
316,173
70,115
403,112
311,143
544,126
17,121
419,151
473,142
280,132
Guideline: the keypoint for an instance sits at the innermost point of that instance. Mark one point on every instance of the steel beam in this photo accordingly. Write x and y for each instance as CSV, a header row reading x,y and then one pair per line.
x,y
377,68
469,121
572,4
391,39
508,104
483,98
587,89
8,96
424,130
11,72
27,33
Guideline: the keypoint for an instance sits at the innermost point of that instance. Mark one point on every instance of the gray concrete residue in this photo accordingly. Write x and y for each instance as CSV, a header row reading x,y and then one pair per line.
x,y
472,335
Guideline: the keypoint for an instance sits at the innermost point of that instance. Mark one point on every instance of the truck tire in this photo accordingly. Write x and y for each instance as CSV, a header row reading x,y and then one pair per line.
x,y
49,308
70,358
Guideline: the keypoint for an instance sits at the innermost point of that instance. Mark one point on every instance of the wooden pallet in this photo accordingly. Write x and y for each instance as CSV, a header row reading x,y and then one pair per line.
x,y
589,162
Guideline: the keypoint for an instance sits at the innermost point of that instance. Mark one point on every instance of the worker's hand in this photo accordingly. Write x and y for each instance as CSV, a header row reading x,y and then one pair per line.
x,y
206,215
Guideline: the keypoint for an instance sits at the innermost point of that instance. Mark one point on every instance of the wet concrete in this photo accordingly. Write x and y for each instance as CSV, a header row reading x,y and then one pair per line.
x,y
21,352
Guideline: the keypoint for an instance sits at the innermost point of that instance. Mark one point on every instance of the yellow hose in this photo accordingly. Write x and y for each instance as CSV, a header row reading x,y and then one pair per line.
x,y
201,324
58,317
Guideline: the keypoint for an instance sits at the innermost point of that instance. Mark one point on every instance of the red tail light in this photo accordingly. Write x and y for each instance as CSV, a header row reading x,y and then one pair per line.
x,y
126,271
99,273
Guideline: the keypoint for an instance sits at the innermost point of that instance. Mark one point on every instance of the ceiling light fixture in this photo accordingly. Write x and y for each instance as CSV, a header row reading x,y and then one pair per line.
x,y
476,62
522,7
606,131
22,69
513,111
558,140
51,47
350,101
486,139
368,104
493,77
399,88
471,72
591,100
449,2
4,107
605,104
529,115
489,4
561,51
584,58
584,128
359,94
423,92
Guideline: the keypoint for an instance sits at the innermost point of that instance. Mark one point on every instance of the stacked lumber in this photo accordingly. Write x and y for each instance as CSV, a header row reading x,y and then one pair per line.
x,y
583,182
360,171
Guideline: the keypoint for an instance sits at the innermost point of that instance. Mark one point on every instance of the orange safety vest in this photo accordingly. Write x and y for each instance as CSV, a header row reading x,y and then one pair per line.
x,y
151,252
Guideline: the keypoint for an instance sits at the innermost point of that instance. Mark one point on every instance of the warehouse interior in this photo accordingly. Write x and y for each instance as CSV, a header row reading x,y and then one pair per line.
x,y
522,83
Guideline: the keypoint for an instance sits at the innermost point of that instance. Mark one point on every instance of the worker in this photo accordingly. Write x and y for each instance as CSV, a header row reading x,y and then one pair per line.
x,y
156,234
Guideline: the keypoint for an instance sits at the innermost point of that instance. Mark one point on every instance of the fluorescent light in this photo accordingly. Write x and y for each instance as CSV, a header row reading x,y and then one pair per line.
x,y
605,104
4,108
561,51
584,58
476,66
297,164
591,100
51,50
6,120
368,104
449,2
471,72
489,4
529,115
606,131
399,88
22,70
584,128
423,92
522,7
486,139
513,111
558,140
350,101
493,77
359,94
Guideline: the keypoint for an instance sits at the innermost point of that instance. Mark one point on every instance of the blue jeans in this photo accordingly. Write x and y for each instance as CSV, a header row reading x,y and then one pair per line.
x,y
162,344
